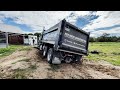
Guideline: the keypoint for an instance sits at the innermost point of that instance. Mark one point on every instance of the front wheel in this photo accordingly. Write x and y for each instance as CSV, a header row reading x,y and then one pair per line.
x,y
50,55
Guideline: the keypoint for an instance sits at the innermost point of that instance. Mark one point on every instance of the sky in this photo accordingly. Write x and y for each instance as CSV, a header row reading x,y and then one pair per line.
x,y
95,22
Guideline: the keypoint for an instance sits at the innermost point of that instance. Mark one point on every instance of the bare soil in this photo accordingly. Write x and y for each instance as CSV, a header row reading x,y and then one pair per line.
x,y
31,65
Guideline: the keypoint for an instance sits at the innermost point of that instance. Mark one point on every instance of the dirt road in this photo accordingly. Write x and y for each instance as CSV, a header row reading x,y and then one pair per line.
x,y
29,64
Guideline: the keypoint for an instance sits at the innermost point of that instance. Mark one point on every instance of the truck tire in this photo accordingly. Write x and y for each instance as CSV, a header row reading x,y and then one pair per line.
x,y
40,48
68,60
45,51
50,55
79,60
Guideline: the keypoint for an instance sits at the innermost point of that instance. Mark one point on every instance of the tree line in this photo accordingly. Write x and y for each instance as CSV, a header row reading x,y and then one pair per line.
x,y
36,34
105,38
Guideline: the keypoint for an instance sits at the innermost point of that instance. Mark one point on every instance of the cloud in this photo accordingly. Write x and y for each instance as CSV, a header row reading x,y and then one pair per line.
x,y
36,19
1,21
75,15
110,31
27,32
82,13
106,20
11,29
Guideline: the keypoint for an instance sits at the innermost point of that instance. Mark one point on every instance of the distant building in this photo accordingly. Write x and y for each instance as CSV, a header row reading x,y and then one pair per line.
x,y
3,42
10,35
14,35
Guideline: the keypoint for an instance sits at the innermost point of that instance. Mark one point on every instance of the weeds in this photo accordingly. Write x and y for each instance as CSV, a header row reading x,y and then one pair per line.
x,y
110,52
54,67
19,74
25,49
22,73
115,53
26,60
33,67
13,48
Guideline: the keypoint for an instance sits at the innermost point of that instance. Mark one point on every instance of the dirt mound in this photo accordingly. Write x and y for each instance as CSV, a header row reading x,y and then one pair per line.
x,y
29,64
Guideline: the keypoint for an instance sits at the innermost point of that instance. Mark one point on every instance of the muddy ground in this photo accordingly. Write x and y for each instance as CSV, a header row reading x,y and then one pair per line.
x,y
30,65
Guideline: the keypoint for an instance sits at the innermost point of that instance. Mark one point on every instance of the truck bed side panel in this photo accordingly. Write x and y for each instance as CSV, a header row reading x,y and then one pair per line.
x,y
50,37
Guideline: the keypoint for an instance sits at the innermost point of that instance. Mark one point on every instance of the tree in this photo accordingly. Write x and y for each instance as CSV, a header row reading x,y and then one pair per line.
x,y
37,34
92,39
118,39
104,37
30,34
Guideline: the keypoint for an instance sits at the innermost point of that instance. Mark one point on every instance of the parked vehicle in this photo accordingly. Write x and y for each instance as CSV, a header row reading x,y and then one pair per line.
x,y
64,42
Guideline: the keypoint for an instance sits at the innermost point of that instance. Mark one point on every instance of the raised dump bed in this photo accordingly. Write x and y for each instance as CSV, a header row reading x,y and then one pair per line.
x,y
64,42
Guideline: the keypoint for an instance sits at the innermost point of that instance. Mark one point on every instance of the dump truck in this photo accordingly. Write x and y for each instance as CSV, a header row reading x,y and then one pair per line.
x,y
64,42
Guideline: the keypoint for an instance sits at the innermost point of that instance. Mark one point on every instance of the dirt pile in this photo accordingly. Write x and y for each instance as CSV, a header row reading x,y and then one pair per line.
x,y
29,64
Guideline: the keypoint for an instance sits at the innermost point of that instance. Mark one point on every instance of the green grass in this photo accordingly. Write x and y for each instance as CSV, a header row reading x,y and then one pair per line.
x,y
33,67
19,74
23,73
26,60
13,48
110,51
26,48
54,67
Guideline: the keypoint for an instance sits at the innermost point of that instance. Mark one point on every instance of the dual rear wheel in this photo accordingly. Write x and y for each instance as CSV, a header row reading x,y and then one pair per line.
x,y
48,52
50,55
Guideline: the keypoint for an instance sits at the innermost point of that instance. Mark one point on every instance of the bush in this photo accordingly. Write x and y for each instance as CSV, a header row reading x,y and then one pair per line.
x,y
105,38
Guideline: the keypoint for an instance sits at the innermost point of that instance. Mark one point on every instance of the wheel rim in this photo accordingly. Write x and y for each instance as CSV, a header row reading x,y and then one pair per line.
x,y
44,52
49,56
68,60
40,47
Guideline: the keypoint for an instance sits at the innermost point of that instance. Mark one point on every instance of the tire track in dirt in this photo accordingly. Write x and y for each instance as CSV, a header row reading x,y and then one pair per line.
x,y
108,70
92,70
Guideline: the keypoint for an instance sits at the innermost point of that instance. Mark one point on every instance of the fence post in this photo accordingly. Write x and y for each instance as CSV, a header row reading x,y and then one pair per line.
x,y
6,39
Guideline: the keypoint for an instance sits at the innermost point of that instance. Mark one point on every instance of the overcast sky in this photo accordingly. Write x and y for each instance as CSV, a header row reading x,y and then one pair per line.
x,y
95,22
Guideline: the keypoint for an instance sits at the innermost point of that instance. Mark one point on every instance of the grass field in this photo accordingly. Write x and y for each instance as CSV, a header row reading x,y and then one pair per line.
x,y
110,51
12,48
